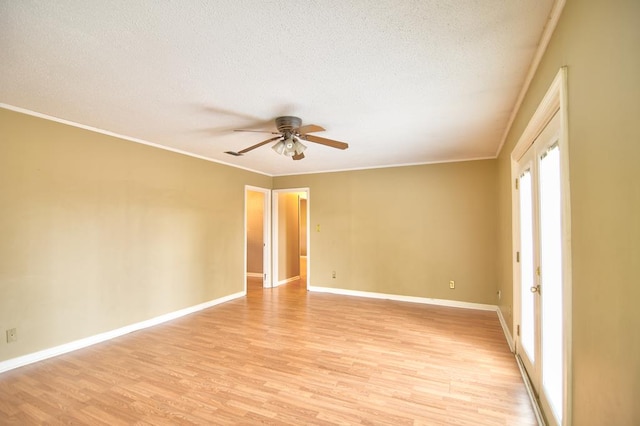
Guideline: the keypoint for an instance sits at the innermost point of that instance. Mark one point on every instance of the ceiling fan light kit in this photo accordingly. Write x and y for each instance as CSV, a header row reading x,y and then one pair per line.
x,y
290,131
278,147
299,147
289,147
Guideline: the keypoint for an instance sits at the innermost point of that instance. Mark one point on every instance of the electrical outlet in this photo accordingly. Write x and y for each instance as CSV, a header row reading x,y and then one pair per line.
x,y
452,284
12,335
333,274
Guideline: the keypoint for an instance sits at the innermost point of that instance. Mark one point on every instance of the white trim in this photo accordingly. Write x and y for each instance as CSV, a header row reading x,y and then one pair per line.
x,y
254,274
422,300
201,157
273,282
402,298
287,281
552,22
532,396
505,329
549,106
98,338
127,138
567,279
309,237
389,166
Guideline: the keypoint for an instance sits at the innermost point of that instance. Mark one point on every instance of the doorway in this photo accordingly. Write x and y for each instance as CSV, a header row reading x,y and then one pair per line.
x,y
257,236
290,227
542,265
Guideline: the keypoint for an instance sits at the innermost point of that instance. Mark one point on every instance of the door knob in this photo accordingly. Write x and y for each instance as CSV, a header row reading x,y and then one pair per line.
x,y
535,289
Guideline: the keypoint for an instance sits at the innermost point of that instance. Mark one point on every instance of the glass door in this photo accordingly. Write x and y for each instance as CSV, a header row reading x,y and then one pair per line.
x,y
529,309
540,259
551,277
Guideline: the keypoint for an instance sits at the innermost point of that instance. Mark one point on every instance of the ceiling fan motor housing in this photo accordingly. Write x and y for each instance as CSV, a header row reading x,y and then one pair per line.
x,y
288,124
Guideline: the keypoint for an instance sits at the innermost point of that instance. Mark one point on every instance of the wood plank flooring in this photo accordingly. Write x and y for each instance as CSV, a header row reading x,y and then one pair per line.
x,y
284,356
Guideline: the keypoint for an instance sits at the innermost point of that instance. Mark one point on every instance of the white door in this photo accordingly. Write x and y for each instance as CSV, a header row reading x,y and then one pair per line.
x,y
540,262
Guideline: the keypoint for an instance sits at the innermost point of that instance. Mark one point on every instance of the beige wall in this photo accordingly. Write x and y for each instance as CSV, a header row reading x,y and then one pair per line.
x,y
599,42
97,233
255,231
405,231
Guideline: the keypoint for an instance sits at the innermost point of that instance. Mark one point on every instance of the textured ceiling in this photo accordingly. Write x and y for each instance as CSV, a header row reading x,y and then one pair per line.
x,y
403,82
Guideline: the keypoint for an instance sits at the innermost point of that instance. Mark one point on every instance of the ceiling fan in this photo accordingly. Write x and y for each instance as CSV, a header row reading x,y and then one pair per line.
x,y
290,132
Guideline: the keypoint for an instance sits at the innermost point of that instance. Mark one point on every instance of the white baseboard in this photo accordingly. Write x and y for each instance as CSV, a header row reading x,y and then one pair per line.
x,y
401,298
505,329
423,300
98,338
532,395
288,280
254,274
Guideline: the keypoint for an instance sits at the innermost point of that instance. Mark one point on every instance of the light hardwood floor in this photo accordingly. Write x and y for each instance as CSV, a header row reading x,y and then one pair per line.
x,y
284,356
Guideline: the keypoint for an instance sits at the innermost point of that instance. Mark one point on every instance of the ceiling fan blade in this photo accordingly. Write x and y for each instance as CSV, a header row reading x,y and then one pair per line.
x,y
310,128
256,131
325,141
258,145
298,156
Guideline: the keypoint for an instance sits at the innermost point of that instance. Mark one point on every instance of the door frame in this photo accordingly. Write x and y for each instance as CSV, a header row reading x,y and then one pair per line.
x,y
274,226
554,101
266,234
526,162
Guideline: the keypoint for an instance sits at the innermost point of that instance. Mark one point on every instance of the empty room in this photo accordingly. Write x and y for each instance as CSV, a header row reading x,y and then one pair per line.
x,y
330,212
